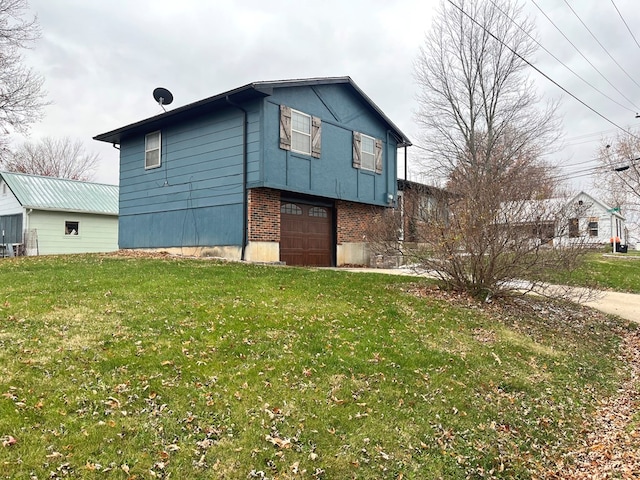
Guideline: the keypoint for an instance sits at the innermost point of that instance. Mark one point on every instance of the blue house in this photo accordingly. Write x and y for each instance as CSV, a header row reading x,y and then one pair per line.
x,y
289,171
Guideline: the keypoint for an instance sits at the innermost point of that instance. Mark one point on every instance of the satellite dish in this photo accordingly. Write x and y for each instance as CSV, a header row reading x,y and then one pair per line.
x,y
162,96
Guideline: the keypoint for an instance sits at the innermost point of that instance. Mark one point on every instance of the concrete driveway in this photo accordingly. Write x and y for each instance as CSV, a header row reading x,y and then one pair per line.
x,y
624,305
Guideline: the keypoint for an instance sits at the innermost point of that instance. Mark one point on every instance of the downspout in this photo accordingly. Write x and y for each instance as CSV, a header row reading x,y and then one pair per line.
x,y
245,194
405,162
395,172
26,229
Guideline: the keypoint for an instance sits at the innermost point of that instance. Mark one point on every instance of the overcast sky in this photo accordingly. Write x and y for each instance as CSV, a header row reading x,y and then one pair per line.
x,y
101,60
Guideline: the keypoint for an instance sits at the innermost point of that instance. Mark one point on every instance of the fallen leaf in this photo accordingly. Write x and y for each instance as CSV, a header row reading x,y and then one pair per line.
x,y
8,441
279,442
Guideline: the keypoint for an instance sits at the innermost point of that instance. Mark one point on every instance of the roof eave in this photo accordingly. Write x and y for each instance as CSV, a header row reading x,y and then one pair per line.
x,y
157,121
50,209
251,90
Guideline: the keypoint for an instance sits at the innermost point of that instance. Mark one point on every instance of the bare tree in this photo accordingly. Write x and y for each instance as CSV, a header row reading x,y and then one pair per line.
x,y
21,93
50,157
485,129
619,175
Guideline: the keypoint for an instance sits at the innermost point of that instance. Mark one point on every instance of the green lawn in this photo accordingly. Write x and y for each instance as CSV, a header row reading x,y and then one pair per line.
x,y
619,272
139,368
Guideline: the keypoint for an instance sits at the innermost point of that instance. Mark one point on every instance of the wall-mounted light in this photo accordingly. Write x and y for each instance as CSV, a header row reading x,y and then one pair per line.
x,y
390,198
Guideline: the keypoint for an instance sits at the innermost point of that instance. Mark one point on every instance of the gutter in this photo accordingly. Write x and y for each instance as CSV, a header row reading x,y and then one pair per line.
x,y
69,210
245,194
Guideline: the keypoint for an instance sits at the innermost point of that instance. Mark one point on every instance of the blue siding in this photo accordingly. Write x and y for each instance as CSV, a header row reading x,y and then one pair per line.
x,y
332,175
187,227
195,198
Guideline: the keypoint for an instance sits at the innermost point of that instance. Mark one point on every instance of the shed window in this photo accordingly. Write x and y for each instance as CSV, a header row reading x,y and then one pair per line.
x,y
152,150
71,228
593,227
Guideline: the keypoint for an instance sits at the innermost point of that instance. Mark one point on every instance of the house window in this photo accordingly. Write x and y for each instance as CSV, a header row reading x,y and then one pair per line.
x,y
300,132
593,227
426,208
291,209
400,212
574,230
367,152
318,212
71,228
368,149
543,230
152,150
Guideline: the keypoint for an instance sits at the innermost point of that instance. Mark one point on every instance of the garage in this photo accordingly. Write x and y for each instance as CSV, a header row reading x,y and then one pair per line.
x,y
306,234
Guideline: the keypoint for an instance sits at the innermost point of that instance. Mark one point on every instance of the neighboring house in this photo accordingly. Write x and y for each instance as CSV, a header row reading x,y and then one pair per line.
x,y
583,220
420,207
46,215
593,221
289,171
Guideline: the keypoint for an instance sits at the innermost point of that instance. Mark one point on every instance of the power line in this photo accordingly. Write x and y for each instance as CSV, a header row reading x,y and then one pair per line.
x,y
587,135
581,54
561,177
599,43
625,24
586,172
583,162
560,61
540,71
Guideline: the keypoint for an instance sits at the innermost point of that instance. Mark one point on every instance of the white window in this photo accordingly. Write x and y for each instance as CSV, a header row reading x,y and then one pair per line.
x,y
300,132
152,150
71,228
368,150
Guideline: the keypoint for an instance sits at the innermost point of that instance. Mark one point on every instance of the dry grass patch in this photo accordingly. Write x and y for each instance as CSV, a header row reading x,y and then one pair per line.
x,y
78,328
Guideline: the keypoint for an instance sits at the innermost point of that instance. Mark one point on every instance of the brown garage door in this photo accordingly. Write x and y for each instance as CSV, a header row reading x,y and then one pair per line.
x,y
306,235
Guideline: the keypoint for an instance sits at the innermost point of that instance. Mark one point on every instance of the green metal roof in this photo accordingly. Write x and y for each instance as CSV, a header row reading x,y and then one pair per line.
x,y
59,194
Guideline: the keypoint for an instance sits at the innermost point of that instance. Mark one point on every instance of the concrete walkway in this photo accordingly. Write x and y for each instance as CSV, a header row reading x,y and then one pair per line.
x,y
624,305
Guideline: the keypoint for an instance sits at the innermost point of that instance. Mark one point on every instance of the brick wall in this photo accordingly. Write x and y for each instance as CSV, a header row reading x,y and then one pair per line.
x,y
264,215
354,220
